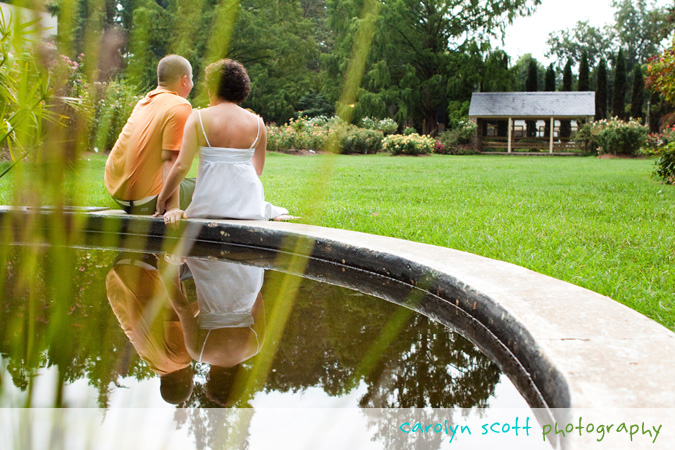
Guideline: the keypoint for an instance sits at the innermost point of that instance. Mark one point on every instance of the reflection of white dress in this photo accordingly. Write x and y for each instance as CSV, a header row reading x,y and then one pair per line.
x,y
228,186
226,292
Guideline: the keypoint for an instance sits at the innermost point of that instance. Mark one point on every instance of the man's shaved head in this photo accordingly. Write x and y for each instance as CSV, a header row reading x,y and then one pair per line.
x,y
171,68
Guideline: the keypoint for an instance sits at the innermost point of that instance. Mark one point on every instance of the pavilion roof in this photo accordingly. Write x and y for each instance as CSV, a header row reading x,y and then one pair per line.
x,y
532,104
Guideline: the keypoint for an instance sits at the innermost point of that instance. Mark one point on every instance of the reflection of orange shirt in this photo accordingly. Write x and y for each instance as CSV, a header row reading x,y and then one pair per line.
x,y
138,297
134,167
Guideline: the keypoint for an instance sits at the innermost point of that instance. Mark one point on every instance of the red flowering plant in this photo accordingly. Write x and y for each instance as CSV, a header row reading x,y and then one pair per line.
x,y
656,141
661,74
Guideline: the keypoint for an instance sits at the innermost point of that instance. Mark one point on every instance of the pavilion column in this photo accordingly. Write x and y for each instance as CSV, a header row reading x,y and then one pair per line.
x,y
550,139
509,135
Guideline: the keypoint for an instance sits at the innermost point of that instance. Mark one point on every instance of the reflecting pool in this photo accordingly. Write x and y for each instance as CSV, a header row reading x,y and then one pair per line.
x,y
98,328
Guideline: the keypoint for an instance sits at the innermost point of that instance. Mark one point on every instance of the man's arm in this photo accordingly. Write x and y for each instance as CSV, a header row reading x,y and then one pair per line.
x,y
169,158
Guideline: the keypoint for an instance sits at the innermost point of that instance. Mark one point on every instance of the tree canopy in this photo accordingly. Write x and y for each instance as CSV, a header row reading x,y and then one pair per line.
x,y
417,62
638,28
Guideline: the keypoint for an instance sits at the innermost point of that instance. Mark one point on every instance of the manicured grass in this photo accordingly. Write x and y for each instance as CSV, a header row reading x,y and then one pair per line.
x,y
606,225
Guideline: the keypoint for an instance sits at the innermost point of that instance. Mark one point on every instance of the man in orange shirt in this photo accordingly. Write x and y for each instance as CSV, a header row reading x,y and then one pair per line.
x,y
149,143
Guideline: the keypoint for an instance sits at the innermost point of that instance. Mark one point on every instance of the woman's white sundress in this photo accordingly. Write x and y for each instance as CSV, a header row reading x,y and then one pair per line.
x,y
228,186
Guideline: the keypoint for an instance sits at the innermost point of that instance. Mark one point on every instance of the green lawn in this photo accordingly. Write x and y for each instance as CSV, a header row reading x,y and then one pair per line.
x,y
606,225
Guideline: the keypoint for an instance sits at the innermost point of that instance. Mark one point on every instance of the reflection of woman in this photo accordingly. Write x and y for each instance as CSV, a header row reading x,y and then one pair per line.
x,y
139,299
231,142
230,327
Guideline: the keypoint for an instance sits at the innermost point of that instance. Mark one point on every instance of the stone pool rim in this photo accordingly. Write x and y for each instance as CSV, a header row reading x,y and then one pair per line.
x,y
581,349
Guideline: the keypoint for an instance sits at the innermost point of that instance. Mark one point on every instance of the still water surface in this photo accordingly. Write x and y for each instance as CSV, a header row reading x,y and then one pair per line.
x,y
86,328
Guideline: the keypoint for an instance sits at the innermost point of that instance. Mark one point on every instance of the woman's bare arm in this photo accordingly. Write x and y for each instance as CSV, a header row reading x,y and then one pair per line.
x,y
181,167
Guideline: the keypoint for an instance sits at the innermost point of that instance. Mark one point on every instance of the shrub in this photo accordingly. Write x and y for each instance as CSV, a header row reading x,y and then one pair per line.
x,y
665,165
585,136
299,134
459,135
24,90
455,149
465,130
616,137
657,140
360,140
322,133
408,131
386,126
412,144
116,101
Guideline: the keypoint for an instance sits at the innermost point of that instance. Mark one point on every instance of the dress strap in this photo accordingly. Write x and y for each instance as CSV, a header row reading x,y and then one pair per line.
x,y
199,112
257,342
257,136
204,345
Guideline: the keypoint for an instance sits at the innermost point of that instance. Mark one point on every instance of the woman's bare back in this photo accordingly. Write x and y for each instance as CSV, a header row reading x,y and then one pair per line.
x,y
230,126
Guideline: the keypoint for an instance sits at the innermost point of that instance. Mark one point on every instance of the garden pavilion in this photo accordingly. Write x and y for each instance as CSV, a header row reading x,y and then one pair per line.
x,y
501,116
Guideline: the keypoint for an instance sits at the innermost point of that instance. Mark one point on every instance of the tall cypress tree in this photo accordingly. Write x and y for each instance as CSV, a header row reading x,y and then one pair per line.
x,y
531,85
584,83
565,125
549,80
637,97
619,97
549,86
567,77
601,91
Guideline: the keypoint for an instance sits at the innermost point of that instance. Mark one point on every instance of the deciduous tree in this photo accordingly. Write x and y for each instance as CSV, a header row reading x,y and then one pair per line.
x,y
431,50
661,74
639,29
571,43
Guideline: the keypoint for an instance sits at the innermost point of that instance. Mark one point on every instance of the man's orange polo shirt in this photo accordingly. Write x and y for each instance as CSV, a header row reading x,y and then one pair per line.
x,y
134,167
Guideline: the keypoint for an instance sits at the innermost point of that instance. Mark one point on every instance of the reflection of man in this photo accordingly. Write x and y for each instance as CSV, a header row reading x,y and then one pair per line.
x,y
149,143
140,300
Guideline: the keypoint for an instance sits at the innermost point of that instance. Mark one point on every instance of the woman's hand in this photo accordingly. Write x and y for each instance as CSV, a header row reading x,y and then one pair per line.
x,y
172,217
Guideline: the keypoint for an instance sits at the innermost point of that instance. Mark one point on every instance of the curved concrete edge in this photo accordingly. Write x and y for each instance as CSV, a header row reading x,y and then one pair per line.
x,y
607,354
584,350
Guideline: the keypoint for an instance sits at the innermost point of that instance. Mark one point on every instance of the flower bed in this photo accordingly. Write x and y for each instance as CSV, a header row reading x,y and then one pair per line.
x,y
615,136
411,144
323,134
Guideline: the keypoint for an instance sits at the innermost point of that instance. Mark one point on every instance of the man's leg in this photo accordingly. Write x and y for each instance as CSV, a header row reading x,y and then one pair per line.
x,y
145,209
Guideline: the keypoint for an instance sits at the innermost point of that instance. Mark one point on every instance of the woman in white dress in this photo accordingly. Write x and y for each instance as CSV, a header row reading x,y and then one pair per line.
x,y
231,143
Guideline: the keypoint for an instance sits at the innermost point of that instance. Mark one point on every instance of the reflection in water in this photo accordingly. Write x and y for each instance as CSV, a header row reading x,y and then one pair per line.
x,y
140,299
133,317
230,327
224,327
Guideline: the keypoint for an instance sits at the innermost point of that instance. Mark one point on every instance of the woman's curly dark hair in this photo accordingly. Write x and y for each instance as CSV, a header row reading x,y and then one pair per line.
x,y
228,80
